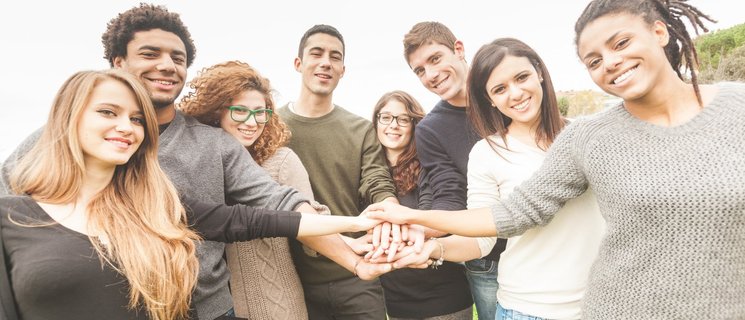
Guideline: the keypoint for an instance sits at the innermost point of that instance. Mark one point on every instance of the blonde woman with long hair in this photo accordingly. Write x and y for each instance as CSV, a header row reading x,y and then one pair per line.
x,y
100,231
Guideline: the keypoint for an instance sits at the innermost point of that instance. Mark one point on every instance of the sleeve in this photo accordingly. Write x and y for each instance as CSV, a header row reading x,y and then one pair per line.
x,y
247,183
448,184
425,192
376,183
10,163
486,245
223,223
292,173
483,187
560,179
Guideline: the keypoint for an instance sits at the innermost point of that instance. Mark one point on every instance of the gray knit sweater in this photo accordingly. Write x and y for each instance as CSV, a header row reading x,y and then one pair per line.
x,y
674,202
210,165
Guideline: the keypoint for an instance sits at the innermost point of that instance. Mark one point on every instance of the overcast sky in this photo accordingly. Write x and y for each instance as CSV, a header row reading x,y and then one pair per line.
x,y
44,42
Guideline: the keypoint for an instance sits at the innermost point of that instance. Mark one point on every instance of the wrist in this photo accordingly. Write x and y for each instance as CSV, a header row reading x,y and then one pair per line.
x,y
356,264
438,254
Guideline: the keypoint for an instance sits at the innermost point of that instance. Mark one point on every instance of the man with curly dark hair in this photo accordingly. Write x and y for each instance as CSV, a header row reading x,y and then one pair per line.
x,y
203,162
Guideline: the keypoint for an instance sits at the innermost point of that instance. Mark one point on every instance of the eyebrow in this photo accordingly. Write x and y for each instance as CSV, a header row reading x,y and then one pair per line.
x,y
609,40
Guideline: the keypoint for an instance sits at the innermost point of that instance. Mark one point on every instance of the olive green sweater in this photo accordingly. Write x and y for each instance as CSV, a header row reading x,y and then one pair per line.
x,y
347,170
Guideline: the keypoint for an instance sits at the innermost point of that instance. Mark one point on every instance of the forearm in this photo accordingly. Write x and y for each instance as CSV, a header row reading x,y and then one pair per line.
x,y
459,249
312,224
469,223
334,248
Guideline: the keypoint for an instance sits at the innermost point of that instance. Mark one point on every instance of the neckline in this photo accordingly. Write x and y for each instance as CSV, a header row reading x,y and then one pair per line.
x,y
709,112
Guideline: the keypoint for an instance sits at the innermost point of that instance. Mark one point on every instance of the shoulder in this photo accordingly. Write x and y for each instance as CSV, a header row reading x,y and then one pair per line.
x,y
17,205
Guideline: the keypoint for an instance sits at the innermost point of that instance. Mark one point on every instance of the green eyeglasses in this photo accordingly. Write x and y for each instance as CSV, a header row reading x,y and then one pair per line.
x,y
242,114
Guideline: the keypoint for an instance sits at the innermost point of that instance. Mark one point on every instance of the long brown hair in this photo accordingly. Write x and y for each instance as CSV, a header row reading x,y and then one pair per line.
x,y
406,171
139,212
216,86
488,120
680,50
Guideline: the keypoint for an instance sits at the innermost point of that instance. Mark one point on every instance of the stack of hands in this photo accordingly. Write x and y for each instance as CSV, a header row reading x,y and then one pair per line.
x,y
391,242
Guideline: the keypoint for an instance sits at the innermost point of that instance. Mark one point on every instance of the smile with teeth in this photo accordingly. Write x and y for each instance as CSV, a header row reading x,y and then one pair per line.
x,y
247,132
624,76
164,82
323,76
522,106
437,86
121,143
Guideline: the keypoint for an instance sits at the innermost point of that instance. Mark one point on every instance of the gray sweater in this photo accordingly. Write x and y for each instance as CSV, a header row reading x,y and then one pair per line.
x,y
674,202
210,165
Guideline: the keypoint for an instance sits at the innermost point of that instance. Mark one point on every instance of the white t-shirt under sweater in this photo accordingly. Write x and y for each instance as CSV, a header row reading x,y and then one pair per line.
x,y
543,272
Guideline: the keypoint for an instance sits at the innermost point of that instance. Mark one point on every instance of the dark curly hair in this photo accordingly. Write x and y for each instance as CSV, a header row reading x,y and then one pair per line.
x,y
215,87
121,30
406,172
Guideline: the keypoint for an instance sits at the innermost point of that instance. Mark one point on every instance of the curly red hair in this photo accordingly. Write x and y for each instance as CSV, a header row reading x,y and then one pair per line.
x,y
215,87
406,172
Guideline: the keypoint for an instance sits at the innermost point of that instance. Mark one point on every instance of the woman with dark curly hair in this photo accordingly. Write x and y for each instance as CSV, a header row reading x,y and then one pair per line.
x,y
234,96
440,293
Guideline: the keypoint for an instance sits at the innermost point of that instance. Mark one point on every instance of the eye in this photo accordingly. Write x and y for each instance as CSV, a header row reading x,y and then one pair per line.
x,y
179,60
498,90
419,71
622,43
149,54
106,112
336,57
522,77
593,63
436,59
138,120
404,119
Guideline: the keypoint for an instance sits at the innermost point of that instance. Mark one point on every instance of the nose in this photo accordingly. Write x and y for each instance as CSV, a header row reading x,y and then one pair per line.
x,y
166,64
516,93
325,61
124,126
612,61
251,121
394,123
430,74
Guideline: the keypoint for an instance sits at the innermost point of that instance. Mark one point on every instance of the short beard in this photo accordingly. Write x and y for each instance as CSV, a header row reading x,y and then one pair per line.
x,y
160,103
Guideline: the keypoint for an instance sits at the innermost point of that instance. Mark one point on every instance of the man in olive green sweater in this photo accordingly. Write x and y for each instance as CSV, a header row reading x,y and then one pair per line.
x,y
347,171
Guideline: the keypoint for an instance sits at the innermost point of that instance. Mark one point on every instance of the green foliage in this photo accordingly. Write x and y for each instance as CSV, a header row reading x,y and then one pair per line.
x,y
563,105
713,47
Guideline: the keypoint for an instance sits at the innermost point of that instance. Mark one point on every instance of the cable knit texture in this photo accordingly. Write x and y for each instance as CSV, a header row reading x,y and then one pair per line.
x,y
264,282
674,202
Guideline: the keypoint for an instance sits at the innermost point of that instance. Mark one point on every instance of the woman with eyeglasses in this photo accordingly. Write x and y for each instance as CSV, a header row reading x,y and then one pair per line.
x,y
234,96
440,293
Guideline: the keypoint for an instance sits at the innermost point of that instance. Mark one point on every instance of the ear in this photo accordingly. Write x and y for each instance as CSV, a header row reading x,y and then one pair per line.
x,y
538,72
297,63
660,31
343,69
118,62
459,50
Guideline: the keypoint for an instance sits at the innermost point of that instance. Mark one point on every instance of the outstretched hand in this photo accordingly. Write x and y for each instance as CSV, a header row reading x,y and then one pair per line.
x,y
391,212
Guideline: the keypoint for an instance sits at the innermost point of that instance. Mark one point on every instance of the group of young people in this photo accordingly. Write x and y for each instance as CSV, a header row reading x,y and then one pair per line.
x,y
129,204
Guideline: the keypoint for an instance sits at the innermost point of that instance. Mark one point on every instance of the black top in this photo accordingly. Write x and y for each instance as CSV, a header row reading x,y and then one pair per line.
x,y
444,138
55,273
423,293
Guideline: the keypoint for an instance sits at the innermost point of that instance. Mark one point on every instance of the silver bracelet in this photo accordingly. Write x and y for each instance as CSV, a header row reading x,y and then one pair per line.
x,y
438,262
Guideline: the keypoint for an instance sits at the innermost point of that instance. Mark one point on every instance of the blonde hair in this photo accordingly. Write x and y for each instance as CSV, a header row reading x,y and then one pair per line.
x,y
139,212
216,86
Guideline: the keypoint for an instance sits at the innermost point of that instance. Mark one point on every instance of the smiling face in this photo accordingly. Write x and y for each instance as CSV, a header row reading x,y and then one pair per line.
x,y
624,55
111,126
441,70
322,64
514,88
158,59
392,136
248,131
